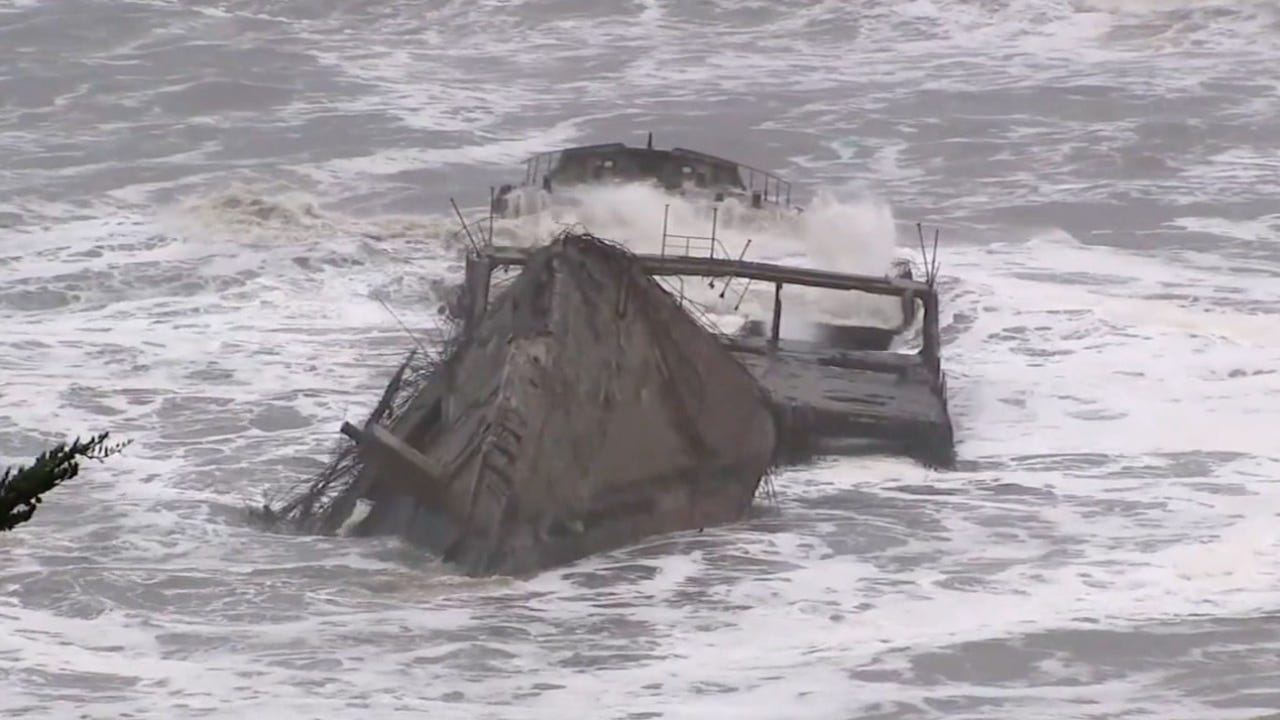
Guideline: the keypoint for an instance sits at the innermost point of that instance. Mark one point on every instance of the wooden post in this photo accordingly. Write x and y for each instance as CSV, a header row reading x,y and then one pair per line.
x,y
776,332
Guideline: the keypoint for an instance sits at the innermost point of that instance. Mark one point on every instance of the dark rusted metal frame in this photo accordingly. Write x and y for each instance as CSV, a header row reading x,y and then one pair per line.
x,y
540,165
693,244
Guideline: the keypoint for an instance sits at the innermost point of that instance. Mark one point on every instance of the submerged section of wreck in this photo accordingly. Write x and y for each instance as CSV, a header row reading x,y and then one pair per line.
x,y
580,410
583,408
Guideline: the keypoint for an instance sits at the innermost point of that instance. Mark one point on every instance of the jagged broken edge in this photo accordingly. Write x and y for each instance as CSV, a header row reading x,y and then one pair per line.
x,y
304,504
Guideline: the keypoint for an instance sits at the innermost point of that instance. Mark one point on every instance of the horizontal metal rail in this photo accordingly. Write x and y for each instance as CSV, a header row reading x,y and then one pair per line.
x,y
724,267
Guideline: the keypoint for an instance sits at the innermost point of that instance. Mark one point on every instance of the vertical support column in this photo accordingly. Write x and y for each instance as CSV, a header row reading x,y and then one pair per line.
x,y
908,307
776,332
477,275
715,216
493,197
932,340
468,293
666,213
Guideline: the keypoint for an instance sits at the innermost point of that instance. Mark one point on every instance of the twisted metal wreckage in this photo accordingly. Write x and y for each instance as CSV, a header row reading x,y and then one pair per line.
x,y
582,408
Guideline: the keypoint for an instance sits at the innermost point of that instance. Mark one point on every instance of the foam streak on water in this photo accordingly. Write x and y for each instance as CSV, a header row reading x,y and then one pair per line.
x,y
204,204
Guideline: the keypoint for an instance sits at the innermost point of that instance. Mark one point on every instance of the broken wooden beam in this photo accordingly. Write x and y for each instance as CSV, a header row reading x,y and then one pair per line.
x,y
376,439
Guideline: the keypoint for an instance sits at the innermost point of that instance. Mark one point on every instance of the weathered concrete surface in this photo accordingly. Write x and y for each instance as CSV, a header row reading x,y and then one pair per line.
x,y
583,412
888,400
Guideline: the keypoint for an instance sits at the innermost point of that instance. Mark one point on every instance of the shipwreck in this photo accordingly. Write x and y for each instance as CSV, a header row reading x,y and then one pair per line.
x,y
680,171
582,406
582,401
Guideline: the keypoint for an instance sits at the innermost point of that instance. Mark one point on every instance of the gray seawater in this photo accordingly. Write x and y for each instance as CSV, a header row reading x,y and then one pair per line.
x,y
202,202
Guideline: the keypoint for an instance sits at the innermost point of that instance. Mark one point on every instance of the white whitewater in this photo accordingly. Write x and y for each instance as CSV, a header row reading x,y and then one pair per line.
x,y
202,205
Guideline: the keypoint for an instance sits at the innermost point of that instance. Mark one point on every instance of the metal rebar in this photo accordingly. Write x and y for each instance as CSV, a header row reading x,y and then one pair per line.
x,y
465,229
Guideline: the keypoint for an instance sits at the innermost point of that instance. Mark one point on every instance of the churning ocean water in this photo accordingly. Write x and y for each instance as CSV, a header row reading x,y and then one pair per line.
x,y
205,204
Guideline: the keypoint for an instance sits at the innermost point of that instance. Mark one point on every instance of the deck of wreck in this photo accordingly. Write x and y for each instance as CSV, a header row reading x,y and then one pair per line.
x,y
862,400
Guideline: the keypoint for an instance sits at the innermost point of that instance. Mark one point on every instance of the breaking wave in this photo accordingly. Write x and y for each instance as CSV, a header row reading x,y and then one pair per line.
x,y
854,235
294,231
1110,310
